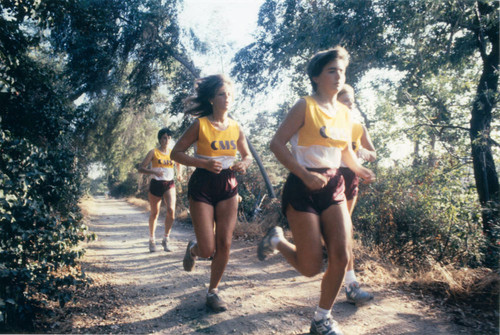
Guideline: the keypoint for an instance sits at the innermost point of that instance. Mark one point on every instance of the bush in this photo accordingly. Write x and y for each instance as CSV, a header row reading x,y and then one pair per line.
x,y
40,229
129,186
413,214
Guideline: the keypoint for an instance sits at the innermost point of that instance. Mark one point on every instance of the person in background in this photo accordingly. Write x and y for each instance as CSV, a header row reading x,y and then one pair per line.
x,y
364,149
158,164
212,188
318,128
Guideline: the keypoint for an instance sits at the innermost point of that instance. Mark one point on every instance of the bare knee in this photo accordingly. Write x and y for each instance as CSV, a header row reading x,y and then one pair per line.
x,y
205,251
223,246
339,258
311,269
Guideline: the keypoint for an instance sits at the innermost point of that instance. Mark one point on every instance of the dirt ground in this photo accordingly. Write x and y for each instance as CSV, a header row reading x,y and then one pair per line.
x,y
137,292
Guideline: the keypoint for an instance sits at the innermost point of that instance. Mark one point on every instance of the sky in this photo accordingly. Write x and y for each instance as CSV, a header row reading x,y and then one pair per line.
x,y
226,24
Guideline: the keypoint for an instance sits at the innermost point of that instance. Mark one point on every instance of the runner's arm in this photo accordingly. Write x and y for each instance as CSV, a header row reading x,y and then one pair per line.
x,y
246,158
143,167
292,123
179,154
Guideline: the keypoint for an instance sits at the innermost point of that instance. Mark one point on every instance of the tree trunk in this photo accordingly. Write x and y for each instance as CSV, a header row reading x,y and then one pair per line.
x,y
255,155
484,166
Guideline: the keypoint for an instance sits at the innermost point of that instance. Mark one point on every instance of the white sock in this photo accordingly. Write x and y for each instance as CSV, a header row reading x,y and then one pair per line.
x,y
321,313
349,277
212,291
166,237
151,238
275,240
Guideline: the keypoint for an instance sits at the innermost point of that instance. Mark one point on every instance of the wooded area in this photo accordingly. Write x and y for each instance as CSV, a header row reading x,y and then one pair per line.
x,y
92,81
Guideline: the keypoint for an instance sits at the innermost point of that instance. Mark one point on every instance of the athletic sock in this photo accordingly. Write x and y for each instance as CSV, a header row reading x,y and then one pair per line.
x,y
349,278
321,313
212,292
275,240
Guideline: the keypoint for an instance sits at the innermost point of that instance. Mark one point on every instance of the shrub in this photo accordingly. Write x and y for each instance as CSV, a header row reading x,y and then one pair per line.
x,y
40,227
417,213
125,188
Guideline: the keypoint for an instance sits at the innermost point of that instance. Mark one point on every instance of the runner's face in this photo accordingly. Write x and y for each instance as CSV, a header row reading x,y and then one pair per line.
x,y
164,140
223,98
332,78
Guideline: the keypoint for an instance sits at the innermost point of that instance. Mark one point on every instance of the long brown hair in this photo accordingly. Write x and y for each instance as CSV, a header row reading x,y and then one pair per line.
x,y
205,89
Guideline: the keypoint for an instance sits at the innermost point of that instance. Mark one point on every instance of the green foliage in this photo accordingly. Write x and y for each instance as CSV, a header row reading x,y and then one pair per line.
x,y
414,215
40,227
127,59
127,187
95,187
252,189
290,32
123,59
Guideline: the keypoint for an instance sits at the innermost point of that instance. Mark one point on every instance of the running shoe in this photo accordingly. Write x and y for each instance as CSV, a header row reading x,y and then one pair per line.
x,y
265,247
326,326
152,246
166,245
356,295
215,303
189,259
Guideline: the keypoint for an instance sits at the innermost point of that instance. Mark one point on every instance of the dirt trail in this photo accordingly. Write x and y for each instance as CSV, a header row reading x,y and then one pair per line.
x,y
136,291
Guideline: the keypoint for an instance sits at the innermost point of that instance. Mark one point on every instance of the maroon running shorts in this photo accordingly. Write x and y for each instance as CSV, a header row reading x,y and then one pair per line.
x,y
159,187
210,188
351,182
296,194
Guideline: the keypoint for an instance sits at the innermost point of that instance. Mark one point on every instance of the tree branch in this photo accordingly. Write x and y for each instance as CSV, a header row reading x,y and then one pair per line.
x,y
442,126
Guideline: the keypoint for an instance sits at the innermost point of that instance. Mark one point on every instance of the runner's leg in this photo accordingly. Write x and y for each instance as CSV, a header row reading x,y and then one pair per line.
x,y
154,203
336,228
226,212
202,215
306,254
170,198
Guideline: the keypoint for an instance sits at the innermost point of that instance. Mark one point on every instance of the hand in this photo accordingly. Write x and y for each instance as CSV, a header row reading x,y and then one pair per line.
x,y
213,166
239,167
367,175
158,174
315,181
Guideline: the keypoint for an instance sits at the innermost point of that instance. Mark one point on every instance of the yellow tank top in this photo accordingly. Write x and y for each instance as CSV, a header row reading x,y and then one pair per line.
x,y
357,132
320,141
220,145
162,162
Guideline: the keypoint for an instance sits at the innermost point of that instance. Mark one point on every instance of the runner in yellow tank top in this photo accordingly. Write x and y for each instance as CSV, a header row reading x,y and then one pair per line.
x,y
161,187
313,198
364,149
212,188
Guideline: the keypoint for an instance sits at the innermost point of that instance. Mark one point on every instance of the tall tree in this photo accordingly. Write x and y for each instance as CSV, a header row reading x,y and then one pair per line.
x,y
425,40
486,30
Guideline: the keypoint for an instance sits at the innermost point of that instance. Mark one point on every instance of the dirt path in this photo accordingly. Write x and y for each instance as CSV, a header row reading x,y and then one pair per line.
x,y
136,291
